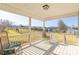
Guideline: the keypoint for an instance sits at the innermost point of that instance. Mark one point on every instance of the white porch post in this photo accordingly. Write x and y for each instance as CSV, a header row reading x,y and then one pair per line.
x,y
29,38
44,33
78,23
43,25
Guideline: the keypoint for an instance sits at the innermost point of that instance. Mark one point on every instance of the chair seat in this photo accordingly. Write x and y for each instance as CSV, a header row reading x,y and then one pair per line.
x,y
11,49
15,45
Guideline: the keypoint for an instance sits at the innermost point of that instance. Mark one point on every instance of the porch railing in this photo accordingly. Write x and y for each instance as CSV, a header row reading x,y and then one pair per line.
x,y
23,38
70,39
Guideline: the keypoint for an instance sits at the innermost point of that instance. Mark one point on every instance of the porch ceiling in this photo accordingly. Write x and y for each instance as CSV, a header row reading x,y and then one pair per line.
x,y
35,10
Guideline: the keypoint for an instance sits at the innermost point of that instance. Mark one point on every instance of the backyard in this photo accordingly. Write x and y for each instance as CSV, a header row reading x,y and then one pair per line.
x,y
15,37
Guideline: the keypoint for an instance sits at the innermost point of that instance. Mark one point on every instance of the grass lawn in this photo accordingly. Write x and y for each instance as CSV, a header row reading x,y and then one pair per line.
x,y
37,35
70,38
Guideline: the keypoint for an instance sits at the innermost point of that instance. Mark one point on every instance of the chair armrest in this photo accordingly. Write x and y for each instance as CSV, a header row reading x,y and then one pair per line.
x,y
10,50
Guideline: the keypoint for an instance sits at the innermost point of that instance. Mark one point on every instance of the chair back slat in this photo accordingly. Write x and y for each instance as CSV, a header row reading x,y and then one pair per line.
x,y
4,41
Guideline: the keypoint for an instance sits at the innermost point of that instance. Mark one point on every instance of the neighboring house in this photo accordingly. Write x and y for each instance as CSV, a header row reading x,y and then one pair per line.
x,y
72,30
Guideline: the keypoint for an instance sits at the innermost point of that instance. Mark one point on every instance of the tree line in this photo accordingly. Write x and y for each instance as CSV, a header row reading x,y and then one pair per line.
x,y
62,27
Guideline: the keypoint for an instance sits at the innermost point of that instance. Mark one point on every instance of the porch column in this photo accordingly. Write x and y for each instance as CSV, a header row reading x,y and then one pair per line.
x,y
44,33
43,25
78,23
29,37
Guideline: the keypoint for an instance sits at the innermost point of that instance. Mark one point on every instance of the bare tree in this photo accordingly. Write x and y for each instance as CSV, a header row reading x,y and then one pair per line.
x,y
62,27
4,24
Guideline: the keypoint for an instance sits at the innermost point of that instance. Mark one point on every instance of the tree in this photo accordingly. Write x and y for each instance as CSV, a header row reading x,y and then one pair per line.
x,y
4,24
62,27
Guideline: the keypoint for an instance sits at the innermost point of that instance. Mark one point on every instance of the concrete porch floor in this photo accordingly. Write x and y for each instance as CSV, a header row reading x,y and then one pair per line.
x,y
43,47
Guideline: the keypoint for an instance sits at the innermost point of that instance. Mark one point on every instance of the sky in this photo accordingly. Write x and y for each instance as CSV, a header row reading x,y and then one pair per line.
x,y
22,20
70,21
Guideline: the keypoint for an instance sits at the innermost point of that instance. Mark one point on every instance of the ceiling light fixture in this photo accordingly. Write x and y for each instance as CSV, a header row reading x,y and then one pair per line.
x,y
45,7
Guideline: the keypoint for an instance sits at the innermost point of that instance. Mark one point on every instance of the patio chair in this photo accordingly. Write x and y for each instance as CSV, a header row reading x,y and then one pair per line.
x,y
6,48
53,39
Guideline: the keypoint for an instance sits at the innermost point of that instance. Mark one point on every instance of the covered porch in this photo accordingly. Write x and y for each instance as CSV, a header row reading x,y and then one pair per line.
x,y
45,46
